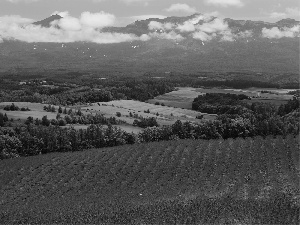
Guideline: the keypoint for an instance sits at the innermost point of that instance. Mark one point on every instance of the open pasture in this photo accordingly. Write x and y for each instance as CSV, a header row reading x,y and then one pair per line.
x,y
274,96
37,111
183,97
241,181
167,115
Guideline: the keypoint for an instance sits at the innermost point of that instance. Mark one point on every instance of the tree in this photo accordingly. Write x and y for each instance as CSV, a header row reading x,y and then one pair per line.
x,y
1,120
62,122
60,110
9,146
29,120
45,121
5,118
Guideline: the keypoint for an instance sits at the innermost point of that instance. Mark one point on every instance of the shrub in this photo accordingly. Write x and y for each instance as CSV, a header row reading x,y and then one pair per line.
x,y
9,147
199,117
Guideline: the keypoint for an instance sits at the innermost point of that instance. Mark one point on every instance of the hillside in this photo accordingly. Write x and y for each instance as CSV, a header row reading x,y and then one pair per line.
x,y
252,181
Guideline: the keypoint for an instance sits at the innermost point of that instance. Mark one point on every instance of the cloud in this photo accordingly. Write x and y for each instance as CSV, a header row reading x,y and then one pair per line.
x,y
169,36
84,28
204,27
277,33
25,1
225,3
70,24
33,33
62,14
179,7
217,25
97,20
288,13
186,27
202,36
154,25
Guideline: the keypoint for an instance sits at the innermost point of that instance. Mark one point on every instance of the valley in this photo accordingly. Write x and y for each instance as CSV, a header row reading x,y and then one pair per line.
x,y
190,119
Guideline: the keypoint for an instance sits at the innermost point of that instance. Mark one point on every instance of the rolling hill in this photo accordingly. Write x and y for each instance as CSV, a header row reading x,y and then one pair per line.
x,y
242,181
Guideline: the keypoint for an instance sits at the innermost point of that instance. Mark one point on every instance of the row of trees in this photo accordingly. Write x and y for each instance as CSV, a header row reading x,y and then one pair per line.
x,y
219,103
74,119
3,119
145,122
14,107
33,139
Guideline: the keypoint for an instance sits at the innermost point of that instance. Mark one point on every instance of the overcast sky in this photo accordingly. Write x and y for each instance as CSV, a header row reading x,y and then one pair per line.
x,y
126,11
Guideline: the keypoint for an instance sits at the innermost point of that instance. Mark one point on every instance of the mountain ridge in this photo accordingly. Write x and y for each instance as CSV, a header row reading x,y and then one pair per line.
x,y
140,27
239,46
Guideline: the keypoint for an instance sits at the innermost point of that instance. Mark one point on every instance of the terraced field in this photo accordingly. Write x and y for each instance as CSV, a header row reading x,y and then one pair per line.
x,y
252,181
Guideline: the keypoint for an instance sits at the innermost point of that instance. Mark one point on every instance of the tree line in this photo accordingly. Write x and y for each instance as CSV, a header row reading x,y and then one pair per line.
x,y
32,139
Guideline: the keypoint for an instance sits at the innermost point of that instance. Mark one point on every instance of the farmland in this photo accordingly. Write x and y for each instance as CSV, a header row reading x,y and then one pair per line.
x,y
165,115
233,181
184,96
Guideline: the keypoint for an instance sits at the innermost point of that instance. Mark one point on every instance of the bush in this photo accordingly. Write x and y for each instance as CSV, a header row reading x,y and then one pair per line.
x,y
199,117
118,114
9,147
11,107
146,122
62,122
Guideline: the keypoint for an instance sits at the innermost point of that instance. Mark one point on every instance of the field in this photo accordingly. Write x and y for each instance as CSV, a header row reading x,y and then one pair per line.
x,y
167,115
183,97
242,181
37,111
178,106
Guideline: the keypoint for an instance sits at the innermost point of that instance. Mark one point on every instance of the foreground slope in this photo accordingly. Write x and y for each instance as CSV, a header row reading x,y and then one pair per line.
x,y
252,181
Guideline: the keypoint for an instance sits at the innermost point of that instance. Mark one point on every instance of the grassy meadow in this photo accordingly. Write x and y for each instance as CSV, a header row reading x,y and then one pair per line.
x,y
183,97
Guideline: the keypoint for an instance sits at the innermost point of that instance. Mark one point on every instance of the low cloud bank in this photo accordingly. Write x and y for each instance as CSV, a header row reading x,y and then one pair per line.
x,y
88,27
68,29
208,29
277,33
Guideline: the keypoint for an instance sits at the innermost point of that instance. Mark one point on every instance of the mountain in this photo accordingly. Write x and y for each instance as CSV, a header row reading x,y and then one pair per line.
x,y
180,44
47,22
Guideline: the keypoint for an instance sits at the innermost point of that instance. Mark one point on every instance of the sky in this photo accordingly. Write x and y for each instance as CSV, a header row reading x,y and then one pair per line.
x,y
84,20
127,11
